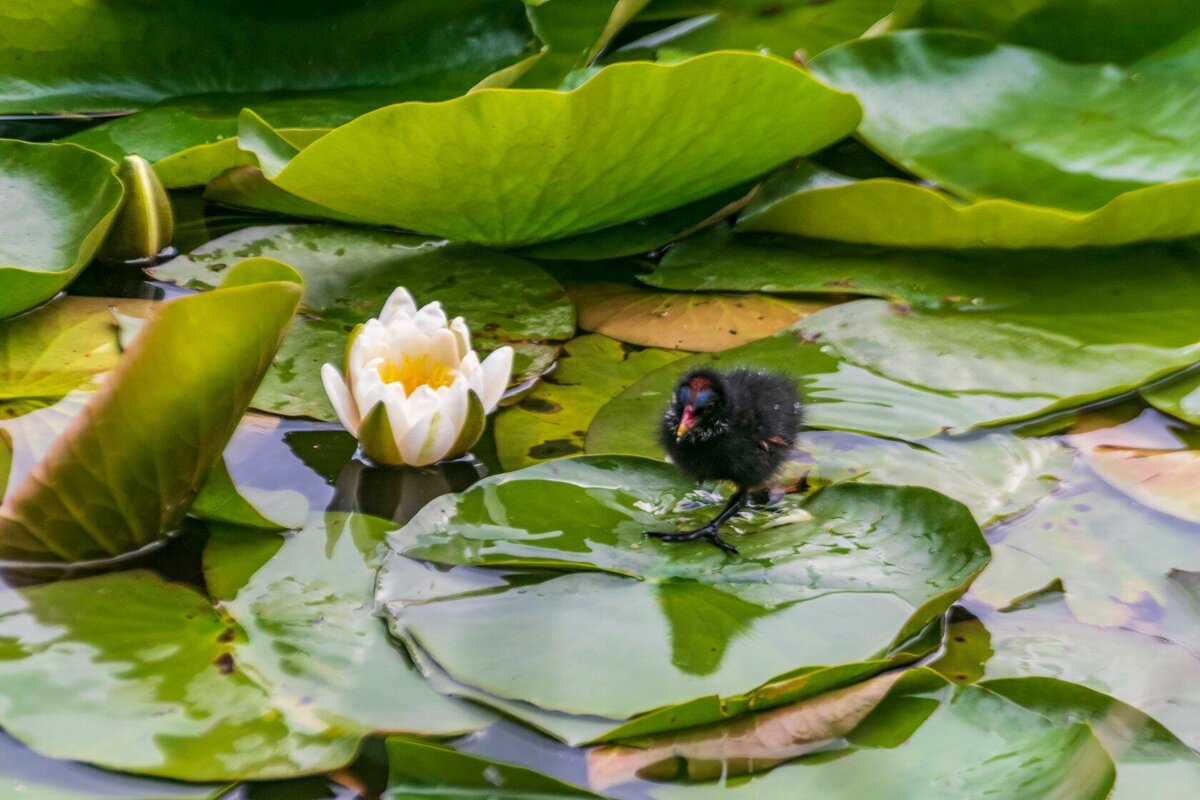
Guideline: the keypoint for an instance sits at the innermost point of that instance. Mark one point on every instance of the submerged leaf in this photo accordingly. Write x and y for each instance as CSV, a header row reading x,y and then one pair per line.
x,y
423,769
126,469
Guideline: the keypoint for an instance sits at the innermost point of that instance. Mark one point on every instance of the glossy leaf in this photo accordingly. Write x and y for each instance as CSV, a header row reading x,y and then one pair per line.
x,y
684,132
1150,759
349,273
1155,675
281,679
574,32
1076,30
801,27
57,203
145,224
955,109
552,420
125,471
691,623
1180,398
421,769
931,740
698,322
838,394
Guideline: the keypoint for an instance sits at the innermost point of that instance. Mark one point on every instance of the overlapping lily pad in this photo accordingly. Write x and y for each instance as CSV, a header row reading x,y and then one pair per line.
x,y
509,165
421,769
708,637
552,421
791,27
126,469
930,739
349,273
282,678
573,32
1179,398
57,203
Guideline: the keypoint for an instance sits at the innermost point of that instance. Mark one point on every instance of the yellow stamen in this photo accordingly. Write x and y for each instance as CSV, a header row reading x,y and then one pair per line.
x,y
413,373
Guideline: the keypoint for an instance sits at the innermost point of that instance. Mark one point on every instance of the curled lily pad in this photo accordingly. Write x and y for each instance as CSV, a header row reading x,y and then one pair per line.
x,y
1180,397
929,739
573,32
728,117
350,272
552,420
83,502
422,769
708,637
281,678
57,203
703,322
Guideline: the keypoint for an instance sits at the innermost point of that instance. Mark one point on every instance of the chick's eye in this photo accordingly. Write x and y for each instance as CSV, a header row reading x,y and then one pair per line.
x,y
685,394
704,397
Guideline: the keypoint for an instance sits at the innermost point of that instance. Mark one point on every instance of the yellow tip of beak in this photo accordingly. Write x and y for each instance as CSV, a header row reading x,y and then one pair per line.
x,y
680,431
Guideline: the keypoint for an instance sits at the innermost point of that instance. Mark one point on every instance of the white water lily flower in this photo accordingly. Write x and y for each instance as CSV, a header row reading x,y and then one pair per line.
x,y
412,390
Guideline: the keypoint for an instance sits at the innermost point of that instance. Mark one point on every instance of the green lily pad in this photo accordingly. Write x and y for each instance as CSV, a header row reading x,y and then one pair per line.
x,y
708,637
99,58
280,679
794,26
57,203
105,487
422,769
1076,30
349,273
1179,397
957,110
1041,638
839,396
1150,759
685,132
932,740
552,420
574,33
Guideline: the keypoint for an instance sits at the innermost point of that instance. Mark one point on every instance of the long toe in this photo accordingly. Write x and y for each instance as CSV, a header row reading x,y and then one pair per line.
x,y
676,536
724,545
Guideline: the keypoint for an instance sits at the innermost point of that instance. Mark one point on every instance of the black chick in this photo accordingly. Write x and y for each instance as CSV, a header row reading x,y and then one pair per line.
x,y
736,426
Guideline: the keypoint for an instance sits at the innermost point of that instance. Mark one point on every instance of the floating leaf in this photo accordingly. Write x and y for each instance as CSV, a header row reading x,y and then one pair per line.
x,y
1150,759
574,33
126,469
1077,30
511,163
800,27
281,679
931,740
56,205
1164,480
708,637
1179,398
957,110
704,322
1153,674
838,394
422,769
552,420
350,272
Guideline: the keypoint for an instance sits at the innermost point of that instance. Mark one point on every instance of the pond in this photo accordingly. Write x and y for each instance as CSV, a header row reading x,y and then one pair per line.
x,y
337,400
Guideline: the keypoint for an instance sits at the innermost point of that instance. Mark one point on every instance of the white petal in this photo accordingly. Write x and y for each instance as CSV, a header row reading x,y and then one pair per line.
x,y
410,444
339,396
497,369
399,303
453,400
430,318
369,389
445,348
421,403
469,366
463,334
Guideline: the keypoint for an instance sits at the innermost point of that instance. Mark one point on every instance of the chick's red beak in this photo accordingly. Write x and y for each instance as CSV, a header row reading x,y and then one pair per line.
x,y
686,421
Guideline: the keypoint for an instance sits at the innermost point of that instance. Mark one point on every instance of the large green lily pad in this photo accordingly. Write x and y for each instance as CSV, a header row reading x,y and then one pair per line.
x,y
1077,30
349,273
126,469
806,27
515,167
57,203
283,677
708,636
958,110
839,396
552,420
1156,675
929,739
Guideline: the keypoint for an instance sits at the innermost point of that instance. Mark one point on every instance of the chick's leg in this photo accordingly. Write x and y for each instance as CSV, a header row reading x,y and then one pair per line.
x,y
710,531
